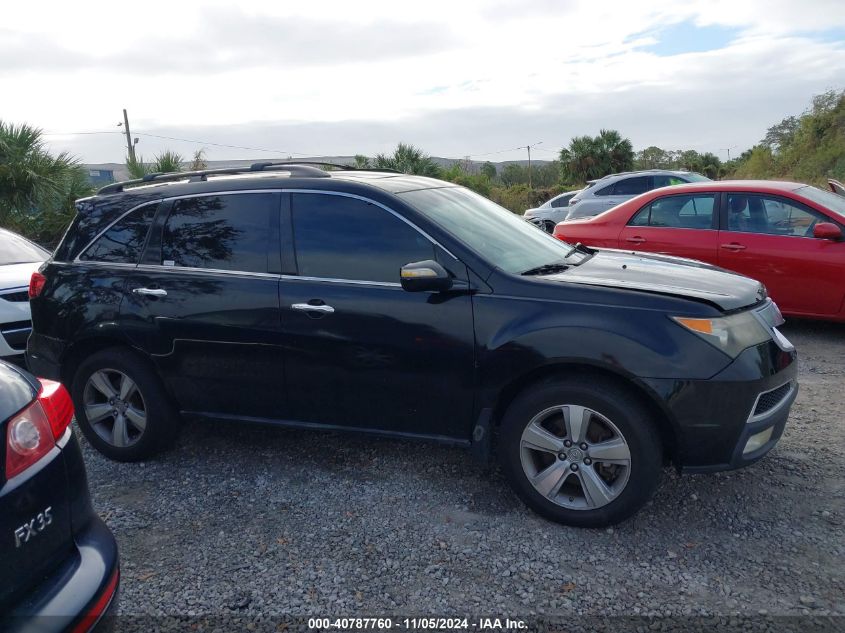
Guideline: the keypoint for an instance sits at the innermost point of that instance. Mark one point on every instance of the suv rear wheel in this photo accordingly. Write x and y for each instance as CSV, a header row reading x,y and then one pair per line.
x,y
122,407
582,453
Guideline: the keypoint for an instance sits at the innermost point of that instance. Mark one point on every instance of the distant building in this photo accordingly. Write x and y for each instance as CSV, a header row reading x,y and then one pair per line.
x,y
99,177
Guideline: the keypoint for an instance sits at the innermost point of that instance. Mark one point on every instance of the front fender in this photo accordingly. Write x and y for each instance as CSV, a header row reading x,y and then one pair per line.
x,y
516,336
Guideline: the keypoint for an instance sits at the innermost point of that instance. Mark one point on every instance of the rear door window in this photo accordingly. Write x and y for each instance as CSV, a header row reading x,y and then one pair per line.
x,y
631,186
124,241
682,212
338,237
230,232
667,181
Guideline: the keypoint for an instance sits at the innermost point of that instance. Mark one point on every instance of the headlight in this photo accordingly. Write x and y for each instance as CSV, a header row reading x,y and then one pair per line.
x,y
731,334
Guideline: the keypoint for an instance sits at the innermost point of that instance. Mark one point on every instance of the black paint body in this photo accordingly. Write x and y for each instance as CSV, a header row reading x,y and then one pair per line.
x,y
432,364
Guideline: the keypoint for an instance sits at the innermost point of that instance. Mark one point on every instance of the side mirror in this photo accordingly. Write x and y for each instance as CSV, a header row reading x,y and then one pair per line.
x,y
827,231
423,276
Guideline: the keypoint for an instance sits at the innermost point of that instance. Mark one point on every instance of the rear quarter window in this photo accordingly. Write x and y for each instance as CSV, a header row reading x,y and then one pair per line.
x,y
124,241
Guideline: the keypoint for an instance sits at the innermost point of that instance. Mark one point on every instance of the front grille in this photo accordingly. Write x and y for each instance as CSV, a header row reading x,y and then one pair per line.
x,y
18,296
16,333
770,399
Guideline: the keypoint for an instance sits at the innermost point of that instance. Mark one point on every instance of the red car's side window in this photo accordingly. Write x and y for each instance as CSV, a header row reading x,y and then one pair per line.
x,y
677,211
770,215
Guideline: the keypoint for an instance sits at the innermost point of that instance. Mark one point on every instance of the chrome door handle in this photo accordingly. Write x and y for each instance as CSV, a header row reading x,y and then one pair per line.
x,y
733,246
153,292
312,308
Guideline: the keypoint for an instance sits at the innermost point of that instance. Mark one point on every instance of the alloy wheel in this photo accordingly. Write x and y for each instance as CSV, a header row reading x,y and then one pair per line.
x,y
575,457
114,407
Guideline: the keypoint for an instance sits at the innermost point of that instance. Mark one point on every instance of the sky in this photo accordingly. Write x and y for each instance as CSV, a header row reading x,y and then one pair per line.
x,y
456,78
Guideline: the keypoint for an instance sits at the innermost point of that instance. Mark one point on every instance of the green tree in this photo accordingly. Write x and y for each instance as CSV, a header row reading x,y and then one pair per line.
x,y
654,157
409,160
514,174
361,162
198,162
37,189
166,162
589,157
489,170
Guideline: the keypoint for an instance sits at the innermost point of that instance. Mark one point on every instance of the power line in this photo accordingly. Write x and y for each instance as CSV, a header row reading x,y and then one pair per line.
x,y
252,149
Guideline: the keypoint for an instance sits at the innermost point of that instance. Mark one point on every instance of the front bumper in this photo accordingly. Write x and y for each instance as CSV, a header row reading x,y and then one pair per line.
x,y
715,419
79,595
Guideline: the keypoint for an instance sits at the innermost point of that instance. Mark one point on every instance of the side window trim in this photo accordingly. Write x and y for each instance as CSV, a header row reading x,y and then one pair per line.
x,y
152,257
378,204
78,259
715,219
723,216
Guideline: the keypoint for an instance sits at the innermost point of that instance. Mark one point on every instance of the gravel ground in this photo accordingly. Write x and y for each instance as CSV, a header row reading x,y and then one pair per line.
x,y
253,521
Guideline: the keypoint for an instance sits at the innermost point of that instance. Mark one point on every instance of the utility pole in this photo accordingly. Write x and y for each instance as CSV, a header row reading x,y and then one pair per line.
x,y
728,150
528,147
129,146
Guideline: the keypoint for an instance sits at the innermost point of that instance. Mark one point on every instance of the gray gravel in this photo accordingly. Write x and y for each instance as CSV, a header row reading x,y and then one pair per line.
x,y
248,521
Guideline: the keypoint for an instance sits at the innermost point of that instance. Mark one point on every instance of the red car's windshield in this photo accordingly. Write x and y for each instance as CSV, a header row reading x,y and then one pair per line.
x,y
827,199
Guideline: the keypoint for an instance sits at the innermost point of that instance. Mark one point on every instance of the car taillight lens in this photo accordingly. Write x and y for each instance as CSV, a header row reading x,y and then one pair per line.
x,y
28,439
36,284
56,402
34,431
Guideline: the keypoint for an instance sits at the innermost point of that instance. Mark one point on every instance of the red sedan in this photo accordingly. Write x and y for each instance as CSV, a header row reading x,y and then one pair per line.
x,y
785,234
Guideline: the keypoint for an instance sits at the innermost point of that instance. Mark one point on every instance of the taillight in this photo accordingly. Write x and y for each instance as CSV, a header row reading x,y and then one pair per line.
x,y
28,439
34,431
36,284
56,402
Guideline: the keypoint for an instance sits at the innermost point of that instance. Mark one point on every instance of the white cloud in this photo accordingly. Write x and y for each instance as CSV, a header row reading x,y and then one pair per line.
x,y
454,77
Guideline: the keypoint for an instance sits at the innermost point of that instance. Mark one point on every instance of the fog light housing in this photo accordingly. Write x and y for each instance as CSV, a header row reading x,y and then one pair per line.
x,y
757,440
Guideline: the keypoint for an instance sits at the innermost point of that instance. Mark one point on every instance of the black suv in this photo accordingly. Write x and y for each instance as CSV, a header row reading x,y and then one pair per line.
x,y
405,306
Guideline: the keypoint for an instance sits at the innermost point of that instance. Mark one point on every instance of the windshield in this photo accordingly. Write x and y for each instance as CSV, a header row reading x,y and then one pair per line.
x,y
16,250
496,234
827,199
696,177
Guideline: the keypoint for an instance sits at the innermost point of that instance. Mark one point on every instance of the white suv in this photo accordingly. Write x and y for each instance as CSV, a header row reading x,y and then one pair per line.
x,y
605,193
19,258
551,212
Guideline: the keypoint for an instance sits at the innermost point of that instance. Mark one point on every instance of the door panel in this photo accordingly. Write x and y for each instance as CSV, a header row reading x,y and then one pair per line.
x,y
213,330
371,355
383,359
680,225
766,241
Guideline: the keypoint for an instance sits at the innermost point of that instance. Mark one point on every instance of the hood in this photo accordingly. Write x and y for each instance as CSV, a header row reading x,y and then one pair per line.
x,y
664,274
17,275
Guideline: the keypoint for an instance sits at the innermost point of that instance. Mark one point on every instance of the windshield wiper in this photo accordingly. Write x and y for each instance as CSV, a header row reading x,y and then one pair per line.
x,y
580,248
546,269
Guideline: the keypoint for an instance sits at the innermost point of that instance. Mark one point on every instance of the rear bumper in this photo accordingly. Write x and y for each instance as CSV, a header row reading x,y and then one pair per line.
x,y
43,356
81,593
716,418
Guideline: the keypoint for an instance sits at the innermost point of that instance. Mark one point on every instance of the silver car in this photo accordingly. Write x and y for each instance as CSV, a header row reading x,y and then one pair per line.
x,y
605,193
551,212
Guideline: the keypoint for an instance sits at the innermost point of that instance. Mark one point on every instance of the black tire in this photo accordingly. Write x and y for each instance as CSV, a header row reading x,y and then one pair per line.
x,y
162,419
629,419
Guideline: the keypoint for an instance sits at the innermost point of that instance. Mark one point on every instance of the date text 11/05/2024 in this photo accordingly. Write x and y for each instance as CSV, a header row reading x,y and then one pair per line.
x,y
414,624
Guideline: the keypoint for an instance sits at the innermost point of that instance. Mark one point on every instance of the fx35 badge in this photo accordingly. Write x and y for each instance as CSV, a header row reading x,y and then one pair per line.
x,y
33,527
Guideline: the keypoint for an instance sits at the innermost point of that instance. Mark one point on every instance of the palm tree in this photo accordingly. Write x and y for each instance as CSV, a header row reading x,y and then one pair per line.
x,y
409,160
37,189
618,153
165,163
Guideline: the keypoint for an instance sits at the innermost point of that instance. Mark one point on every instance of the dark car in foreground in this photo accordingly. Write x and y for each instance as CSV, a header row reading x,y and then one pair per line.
x,y
405,306
60,565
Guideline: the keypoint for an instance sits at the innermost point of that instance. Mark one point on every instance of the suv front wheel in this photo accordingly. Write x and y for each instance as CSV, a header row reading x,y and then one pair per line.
x,y
583,453
121,406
